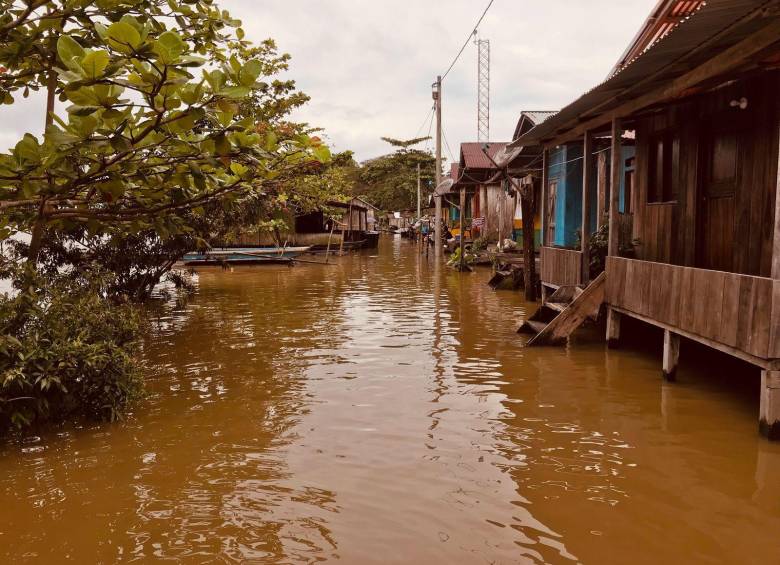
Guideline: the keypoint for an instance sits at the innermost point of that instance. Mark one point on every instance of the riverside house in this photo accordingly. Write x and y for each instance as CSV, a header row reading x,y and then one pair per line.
x,y
696,97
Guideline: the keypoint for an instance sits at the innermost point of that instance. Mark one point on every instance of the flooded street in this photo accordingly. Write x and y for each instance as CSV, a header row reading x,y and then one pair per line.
x,y
383,410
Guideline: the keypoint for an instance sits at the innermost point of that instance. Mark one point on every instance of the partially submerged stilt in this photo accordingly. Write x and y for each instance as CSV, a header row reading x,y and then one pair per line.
x,y
769,418
671,355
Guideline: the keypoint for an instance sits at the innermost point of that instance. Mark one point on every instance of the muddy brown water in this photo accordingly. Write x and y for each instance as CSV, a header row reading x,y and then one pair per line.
x,y
382,410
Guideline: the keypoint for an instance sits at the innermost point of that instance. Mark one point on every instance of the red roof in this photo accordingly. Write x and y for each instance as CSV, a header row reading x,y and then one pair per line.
x,y
454,171
472,156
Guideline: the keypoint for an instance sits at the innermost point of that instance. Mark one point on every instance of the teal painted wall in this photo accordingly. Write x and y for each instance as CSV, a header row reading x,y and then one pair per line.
x,y
565,167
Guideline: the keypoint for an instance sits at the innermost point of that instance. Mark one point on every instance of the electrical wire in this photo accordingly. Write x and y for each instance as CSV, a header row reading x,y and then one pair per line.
x,y
462,49
447,144
422,125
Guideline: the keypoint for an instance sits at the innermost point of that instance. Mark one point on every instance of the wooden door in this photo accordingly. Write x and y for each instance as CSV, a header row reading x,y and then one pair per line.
x,y
720,177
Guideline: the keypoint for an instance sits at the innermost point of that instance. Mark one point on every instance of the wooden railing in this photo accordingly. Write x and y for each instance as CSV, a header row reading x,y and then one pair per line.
x,y
738,311
560,267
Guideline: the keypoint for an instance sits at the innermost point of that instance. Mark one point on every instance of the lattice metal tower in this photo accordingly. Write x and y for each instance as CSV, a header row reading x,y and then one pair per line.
x,y
483,89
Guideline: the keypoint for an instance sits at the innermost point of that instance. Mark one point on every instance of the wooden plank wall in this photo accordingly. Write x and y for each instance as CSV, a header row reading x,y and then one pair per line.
x,y
497,201
731,309
667,232
560,267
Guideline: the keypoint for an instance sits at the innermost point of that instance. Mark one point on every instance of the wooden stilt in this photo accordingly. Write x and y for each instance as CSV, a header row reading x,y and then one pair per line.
x,y
587,164
613,328
671,355
769,416
614,188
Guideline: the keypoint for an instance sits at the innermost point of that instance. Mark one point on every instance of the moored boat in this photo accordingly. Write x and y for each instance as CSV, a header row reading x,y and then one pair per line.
x,y
243,255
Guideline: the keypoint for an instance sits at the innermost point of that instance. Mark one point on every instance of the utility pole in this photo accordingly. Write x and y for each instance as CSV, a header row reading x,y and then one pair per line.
x,y
437,100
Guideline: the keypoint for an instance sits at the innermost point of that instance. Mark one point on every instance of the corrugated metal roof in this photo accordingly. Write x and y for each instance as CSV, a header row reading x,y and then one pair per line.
x,y
670,57
472,156
540,116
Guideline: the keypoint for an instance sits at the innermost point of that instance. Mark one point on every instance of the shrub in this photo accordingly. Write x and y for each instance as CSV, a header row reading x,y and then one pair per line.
x,y
480,244
66,352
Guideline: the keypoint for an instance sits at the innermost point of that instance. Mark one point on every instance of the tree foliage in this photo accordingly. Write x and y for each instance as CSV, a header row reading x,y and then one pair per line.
x,y
65,351
161,121
390,181
165,128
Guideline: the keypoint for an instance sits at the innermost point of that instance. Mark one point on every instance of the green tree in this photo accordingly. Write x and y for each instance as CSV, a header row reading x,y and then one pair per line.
x,y
154,128
390,181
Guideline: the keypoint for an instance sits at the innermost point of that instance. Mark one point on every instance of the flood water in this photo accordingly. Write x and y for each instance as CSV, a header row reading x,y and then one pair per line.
x,y
383,410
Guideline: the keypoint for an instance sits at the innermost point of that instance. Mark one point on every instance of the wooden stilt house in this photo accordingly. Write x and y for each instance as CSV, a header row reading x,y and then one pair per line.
x,y
488,203
694,225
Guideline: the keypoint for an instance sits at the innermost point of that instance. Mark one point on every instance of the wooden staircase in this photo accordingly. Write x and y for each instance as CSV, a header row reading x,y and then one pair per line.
x,y
565,311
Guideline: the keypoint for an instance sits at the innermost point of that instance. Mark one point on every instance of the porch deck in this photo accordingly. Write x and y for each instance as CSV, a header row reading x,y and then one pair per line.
x,y
737,314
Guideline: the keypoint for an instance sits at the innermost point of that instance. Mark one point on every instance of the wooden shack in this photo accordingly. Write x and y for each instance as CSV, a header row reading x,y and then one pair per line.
x,y
488,202
694,230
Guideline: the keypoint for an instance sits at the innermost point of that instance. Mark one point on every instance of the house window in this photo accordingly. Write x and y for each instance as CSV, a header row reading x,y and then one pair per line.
x,y
663,167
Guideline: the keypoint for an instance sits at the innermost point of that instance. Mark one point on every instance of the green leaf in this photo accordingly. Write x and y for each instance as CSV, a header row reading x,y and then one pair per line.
x,y
123,37
169,47
68,49
27,150
94,63
238,169
235,92
322,153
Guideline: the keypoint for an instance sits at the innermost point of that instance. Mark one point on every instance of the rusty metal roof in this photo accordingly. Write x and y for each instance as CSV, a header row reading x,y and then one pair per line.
x,y
472,156
718,23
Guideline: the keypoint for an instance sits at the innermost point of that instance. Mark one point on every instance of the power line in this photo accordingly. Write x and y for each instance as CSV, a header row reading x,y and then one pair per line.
x,y
465,43
447,144
422,125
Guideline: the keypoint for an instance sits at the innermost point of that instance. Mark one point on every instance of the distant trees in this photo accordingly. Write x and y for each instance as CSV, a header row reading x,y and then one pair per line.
x,y
390,181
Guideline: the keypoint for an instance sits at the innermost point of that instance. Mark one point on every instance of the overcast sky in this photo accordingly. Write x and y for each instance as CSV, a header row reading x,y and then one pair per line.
x,y
368,64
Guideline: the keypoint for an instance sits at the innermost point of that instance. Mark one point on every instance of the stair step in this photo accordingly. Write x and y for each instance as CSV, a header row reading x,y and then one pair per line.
x,y
557,306
536,326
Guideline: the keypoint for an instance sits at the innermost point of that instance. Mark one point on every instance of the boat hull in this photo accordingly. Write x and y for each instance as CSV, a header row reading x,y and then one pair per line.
x,y
244,255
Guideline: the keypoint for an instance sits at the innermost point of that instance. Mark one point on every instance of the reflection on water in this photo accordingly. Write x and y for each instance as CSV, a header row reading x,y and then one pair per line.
x,y
382,409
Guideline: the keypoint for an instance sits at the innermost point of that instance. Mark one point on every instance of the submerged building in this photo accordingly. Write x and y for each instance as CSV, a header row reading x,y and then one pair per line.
x,y
686,129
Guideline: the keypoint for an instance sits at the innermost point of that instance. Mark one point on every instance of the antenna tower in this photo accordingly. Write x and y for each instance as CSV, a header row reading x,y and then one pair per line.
x,y
483,88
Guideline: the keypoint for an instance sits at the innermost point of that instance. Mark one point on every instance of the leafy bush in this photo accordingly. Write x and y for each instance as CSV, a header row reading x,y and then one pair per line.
x,y
480,244
65,351
599,247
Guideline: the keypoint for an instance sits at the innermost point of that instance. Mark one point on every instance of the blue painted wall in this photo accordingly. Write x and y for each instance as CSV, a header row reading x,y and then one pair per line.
x,y
565,166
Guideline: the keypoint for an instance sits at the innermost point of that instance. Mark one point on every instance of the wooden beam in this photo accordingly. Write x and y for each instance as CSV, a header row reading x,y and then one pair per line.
x,y
614,188
587,169
545,181
768,364
776,238
726,61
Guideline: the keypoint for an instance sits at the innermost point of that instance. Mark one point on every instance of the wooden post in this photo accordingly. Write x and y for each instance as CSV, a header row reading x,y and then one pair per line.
x,y
769,417
545,182
437,95
330,236
776,239
601,207
462,226
671,355
614,188
613,328
528,211
587,169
